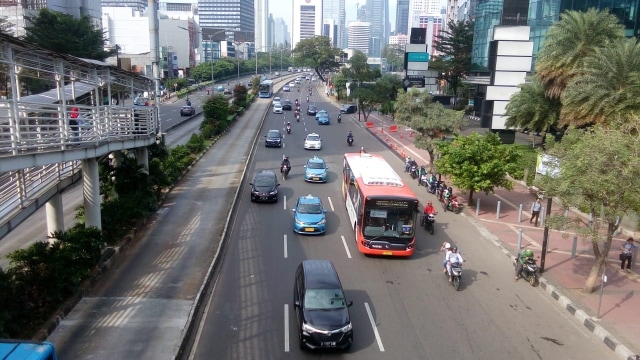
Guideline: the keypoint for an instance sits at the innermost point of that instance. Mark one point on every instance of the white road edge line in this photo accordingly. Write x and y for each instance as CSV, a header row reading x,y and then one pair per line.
x,y
373,325
285,246
331,203
346,248
286,327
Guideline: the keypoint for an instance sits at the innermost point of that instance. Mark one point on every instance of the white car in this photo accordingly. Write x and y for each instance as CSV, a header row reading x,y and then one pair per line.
x,y
276,100
292,84
313,142
277,108
286,88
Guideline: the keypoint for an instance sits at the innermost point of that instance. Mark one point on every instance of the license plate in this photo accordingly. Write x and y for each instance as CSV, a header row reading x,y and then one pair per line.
x,y
264,197
328,344
387,253
309,229
316,178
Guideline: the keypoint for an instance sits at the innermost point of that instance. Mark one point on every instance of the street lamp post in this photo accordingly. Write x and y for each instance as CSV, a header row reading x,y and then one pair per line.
x,y
211,46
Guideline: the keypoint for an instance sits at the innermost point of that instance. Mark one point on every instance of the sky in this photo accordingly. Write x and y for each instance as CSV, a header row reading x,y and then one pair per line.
x,y
283,9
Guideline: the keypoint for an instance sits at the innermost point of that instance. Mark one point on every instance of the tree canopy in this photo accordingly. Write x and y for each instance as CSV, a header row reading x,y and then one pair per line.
x,y
531,108
477,163
454,47
317,53
599,172
65,34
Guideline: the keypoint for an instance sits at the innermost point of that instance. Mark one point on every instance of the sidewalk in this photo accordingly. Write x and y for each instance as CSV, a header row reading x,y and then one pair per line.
x,y
621,296
564,276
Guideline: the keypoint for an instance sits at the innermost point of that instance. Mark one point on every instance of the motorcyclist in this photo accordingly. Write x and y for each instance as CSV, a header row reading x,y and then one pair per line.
x,y
285,162
288,126
307,99
524,256
452,258
339,117
362,150
429,209
350,135
188,102
446,247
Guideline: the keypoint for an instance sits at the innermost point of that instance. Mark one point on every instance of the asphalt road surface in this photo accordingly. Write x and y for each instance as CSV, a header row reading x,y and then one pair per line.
x,y
403,308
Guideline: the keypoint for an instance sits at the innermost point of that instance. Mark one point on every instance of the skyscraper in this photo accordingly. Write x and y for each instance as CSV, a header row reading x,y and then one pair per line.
x,y
261,25
280,32
307,20
402,17
378,14
228,14
422,7
335,10
359,36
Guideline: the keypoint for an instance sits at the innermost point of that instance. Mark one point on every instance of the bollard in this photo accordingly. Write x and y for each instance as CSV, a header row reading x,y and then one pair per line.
x,y
519,240
590,220
635,257
566,215
520,213
477,207
542,216
574,247
498,211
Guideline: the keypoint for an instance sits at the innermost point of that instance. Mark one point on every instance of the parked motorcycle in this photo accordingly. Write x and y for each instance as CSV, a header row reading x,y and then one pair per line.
x,y
433,186
456,275
413,170
530,272
350,141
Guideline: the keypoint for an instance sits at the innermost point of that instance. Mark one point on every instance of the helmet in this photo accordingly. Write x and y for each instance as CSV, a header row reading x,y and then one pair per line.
x,y
286,157
447,246
362,148
454,249
528,253
288,123
429,203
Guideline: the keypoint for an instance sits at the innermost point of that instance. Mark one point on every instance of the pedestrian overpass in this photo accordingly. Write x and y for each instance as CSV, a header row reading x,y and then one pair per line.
x,y
58,115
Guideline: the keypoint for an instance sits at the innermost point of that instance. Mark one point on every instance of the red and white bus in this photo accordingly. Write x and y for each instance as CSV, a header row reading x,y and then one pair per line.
x,y
382,208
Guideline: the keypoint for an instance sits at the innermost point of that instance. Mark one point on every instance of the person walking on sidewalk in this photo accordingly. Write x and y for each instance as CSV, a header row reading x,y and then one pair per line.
x,y
627,254
535,211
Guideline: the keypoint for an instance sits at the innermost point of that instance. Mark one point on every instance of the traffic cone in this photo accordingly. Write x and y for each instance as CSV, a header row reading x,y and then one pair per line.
x,y
401,136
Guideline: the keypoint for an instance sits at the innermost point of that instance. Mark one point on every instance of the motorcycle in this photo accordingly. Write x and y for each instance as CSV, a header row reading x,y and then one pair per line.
x,y
429,222
453,205
456,275
298,117
339,119
433,186
529,272
288,129
414,171
285,171
350,141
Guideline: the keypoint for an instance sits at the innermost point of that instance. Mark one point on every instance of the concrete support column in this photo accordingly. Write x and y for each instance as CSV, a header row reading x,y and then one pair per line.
x,y
142,156
91,193
55,214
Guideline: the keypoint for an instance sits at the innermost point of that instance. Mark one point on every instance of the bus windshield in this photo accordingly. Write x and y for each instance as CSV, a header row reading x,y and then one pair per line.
x,y
393,223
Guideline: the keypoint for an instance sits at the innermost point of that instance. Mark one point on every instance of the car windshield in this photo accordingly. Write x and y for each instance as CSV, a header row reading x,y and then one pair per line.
x,y
264,181
310,208
312,108
273,134
313,138
287,102
317,299
315,165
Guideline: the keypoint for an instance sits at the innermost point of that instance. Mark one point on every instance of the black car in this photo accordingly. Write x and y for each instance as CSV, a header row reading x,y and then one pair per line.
x,y
321,307
265,186
311,110
286,104
187,110
273,139
348,109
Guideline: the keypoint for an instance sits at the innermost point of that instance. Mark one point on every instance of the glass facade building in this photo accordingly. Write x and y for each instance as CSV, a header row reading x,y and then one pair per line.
x,y
543,13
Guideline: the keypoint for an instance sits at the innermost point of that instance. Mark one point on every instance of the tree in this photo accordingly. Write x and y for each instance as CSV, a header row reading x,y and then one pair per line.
x,y
428,118
387,89
569,41
317,53
361,87
477,163
531,108
591,98
64,34
454,47
216,111
395,57
599,172
240,93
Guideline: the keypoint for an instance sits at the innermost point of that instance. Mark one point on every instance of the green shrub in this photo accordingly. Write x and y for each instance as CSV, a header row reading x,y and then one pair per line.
x,y
195,143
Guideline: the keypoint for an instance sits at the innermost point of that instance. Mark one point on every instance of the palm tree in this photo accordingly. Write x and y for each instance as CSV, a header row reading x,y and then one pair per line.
x,y
607,86
569,41
532,108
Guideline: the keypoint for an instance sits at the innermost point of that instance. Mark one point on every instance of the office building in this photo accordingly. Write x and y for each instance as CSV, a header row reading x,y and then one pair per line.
x,y
378,15
419,8
402,17
307,20
262,23
281,32
229,14
359,36
434,24
15,12
334,11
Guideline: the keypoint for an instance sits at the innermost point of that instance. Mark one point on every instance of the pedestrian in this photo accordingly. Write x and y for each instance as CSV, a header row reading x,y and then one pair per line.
x,y
74,122
535,211
627,254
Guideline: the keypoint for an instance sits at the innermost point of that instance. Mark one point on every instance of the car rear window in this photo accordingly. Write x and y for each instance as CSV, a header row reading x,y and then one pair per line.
x,y
313,137
273,133
310,209
324,299
264,180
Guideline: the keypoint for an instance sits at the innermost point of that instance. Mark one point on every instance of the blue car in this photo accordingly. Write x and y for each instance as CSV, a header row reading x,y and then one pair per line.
x,y
323,120
316,170
309,216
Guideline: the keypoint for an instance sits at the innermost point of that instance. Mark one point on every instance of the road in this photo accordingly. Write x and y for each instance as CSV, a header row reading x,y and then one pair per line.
x,y
403,308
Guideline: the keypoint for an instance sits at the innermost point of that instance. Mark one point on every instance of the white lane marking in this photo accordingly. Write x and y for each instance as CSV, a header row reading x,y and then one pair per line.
x,y
285,202
373,325
346,248
285,246
331,203
286,327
